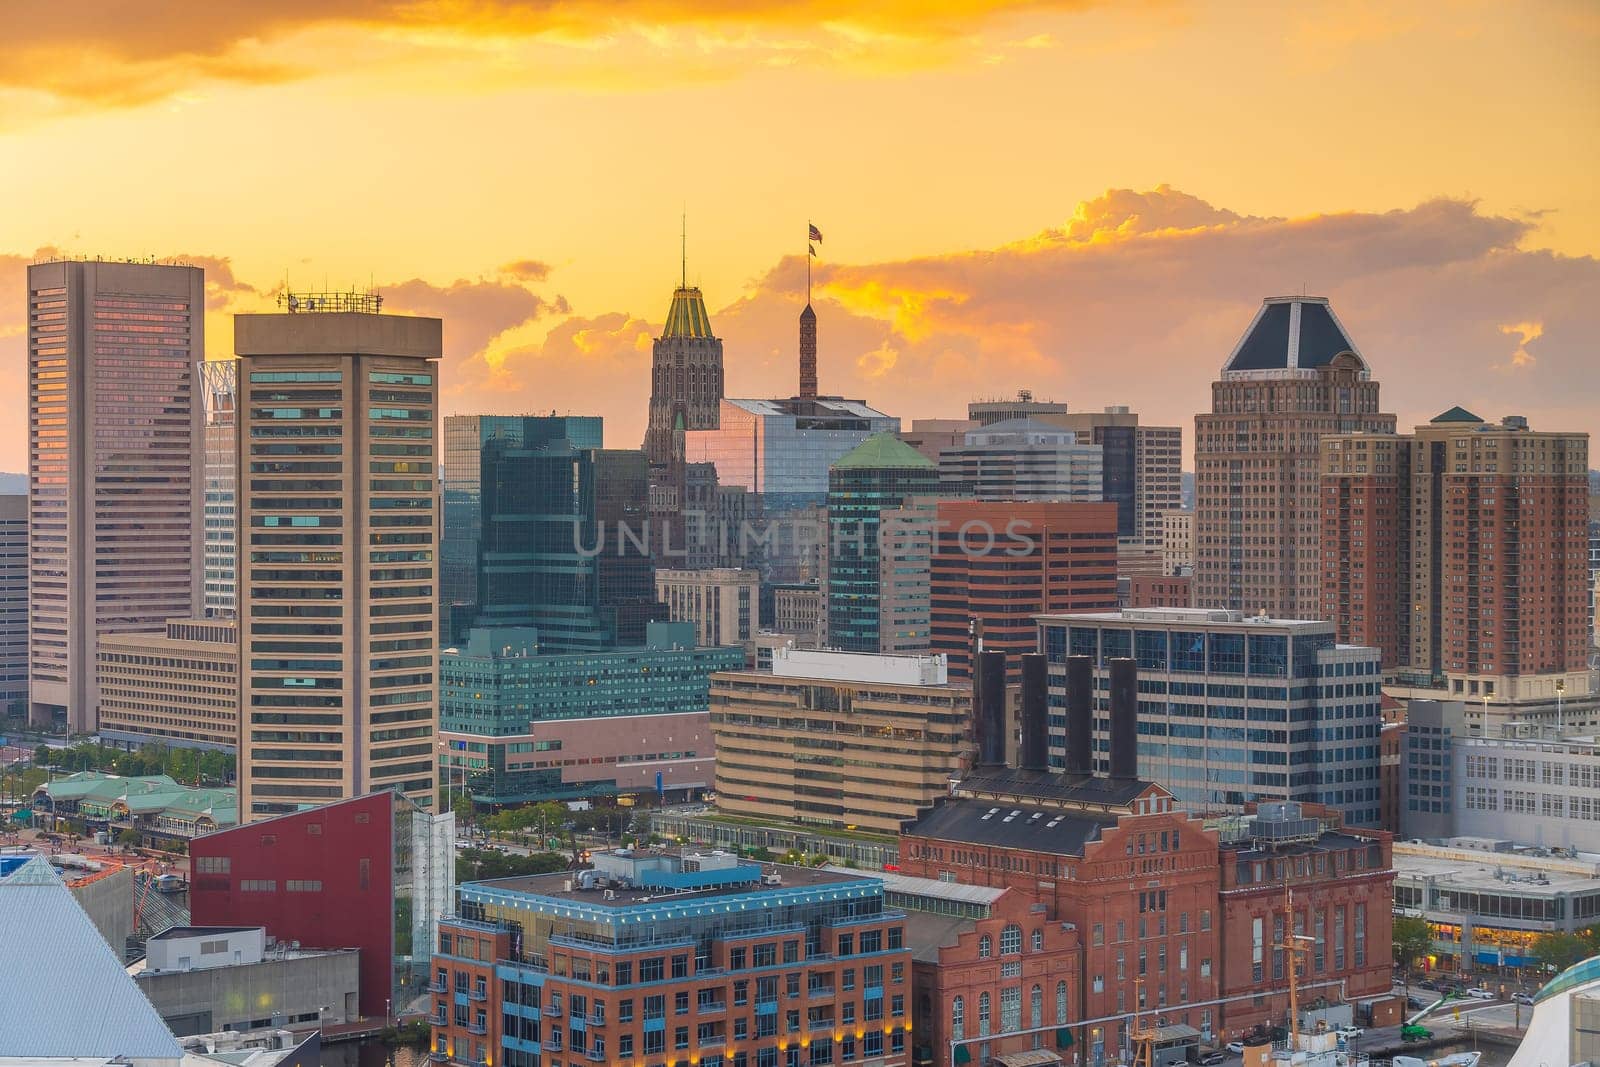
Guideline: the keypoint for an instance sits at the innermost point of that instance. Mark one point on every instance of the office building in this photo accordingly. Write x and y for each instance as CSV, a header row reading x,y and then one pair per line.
x,y
1009,409
338,600
474,443
654,956
372,873
723,603
14,601
519,725
205,979
797,609
893,729
1235,709
90,1011
782,448
878,475
1293,377
1461,551
114,450
933,436
219,395
1487,902
1000,563
905,570
179,687
685,390
1022,459
1177,541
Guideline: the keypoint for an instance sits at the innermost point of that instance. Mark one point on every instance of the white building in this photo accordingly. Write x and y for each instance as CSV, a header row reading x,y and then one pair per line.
x,y
1023,459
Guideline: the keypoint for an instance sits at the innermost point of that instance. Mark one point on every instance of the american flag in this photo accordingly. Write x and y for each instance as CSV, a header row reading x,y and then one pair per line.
x,y
816,235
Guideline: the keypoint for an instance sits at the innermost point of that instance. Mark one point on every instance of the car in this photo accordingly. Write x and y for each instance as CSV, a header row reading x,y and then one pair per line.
x,y
1480,993
1212,1058
1236,1047
1522,998
1428,984
1348,1032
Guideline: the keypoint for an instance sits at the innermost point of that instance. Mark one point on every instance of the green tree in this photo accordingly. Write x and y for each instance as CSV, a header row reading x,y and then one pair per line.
x,y
1561,950
1411,938
128,838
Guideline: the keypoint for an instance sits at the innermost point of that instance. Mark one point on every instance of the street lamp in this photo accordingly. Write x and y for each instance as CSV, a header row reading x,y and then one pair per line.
x,y
320,1013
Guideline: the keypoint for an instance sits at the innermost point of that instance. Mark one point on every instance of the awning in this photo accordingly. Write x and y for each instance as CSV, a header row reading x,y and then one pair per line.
x,y
1031,1058
963,1054
1063,1038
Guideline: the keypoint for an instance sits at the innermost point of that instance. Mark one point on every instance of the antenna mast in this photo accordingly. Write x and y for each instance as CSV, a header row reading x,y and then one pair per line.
x,y
683,239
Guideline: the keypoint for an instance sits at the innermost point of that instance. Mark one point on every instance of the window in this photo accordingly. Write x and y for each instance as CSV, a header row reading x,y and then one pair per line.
x,y
1036,1007
1011,940
1037,940
1061,1002
984,945
983,1015
1010,1009
958,1018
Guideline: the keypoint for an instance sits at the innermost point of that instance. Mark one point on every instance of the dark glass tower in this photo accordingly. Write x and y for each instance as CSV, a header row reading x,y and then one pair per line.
x,y
880,473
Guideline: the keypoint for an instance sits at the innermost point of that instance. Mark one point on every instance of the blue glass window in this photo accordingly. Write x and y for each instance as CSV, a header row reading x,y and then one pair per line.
x,y
1150,649
1085,642
1188,651
1115,644
1269,655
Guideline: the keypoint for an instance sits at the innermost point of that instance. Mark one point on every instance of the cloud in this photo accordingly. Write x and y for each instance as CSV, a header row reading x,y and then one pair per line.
x,y
529,270
1525,333
93,54
476,313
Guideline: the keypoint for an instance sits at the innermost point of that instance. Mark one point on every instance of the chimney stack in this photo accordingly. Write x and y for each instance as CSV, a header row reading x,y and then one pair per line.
x,y
1035,754
1124,719
1080,715
990,707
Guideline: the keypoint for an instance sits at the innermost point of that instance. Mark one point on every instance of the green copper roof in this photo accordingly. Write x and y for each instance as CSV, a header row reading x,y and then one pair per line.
x,y
882,450
1457,414
687,317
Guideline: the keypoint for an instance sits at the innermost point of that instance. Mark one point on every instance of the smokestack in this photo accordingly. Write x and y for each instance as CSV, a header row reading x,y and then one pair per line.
x,y
1035,755
1124,719
1080,715
991,703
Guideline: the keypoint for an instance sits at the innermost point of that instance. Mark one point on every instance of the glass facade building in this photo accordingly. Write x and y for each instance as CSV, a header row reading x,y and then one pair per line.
x,y
466,437
520,725
877,476
114,447
1233,709
782,449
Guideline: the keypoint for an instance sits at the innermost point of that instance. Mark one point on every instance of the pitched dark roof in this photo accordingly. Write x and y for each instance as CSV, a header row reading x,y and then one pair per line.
x,y
983,822
1055,787
1291,332
1456,414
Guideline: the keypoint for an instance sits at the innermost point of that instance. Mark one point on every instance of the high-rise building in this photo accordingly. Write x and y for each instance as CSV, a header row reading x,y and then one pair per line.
x,y
468,440
878,475
1177,541
114,447
905,569
13,599
1220,697
1022,459
1157,480
723,603
893,727
685,390
1461,551
1008,409
1294,376
1000,563
178,688
625,573
782,448
338,598
219,385
520,726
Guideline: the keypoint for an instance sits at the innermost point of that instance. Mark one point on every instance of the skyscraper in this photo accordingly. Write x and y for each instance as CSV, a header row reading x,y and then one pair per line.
x,y
878,475
467,440
1460,550
114,428
1294,376
219,385
338,598
685,388
13,598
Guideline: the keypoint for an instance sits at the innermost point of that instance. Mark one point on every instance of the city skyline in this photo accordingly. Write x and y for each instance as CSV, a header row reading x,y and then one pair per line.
x,y
996,218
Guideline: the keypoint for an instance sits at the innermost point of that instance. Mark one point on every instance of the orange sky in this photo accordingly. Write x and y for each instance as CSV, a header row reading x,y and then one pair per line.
x,y
1086,199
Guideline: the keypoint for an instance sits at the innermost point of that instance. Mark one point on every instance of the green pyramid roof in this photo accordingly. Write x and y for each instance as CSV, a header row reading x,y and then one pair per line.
x,y
687,317
1457,414
882,450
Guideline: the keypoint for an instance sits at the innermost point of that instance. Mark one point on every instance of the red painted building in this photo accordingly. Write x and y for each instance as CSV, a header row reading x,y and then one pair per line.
x,y
362,873
1160,591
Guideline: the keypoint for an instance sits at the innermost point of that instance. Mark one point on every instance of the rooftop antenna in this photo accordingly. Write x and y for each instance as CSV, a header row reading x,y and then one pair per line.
x,y
683,238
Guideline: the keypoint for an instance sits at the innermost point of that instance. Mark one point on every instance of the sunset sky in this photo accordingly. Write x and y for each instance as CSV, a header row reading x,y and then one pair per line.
x,y
1086,199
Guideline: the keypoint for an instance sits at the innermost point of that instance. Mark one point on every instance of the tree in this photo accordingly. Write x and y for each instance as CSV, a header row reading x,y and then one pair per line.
x,y
1411,938
1561,950
128,838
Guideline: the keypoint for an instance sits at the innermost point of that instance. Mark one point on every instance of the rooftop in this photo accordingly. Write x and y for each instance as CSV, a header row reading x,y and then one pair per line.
x,y
153,794
565,886
1024,826
1486,871
829,665
820,407
172,933
882,451
1186,617
687,317
1078,789
1292,333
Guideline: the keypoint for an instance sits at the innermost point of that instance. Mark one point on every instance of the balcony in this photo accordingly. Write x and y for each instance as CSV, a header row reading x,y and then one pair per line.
x,y
818,992
478,994
819,1024
477,1028
439,987
711,1007
439,1055
553,1010
595,1055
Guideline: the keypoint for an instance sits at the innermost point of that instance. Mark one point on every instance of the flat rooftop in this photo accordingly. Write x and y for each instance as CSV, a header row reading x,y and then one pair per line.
x,y
1477,872
173,932
1184,617
562,885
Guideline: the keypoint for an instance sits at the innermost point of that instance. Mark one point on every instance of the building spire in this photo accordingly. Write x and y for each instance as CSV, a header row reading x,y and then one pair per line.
x,y
683,241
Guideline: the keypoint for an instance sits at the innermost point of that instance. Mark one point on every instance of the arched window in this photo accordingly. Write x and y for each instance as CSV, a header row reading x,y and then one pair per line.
x,y
1011,940
983,947
1036,1007
1038,941
983,1015
1061,1002
958,1018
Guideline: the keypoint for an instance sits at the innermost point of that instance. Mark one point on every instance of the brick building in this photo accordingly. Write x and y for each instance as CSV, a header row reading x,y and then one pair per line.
x,y
1159,591
654,957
